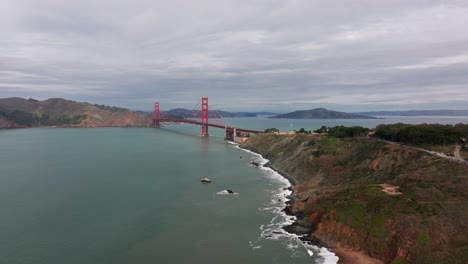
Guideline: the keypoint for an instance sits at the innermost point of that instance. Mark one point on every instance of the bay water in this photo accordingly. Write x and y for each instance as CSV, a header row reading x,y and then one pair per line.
x,y
133,195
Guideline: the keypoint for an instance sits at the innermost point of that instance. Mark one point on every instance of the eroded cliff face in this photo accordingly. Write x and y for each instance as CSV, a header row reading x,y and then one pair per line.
x,y
338,192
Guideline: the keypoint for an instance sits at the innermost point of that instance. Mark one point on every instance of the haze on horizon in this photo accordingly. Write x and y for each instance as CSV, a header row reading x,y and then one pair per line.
x,y
272,55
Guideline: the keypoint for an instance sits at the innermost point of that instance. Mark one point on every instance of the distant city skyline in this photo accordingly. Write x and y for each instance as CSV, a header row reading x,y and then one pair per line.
x,y
267,55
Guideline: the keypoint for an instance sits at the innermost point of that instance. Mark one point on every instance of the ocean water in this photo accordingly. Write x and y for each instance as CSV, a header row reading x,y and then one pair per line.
x,y
133,195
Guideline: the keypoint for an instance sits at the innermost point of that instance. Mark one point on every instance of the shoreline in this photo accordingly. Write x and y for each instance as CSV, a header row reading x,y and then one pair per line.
x,y
325,252
344,255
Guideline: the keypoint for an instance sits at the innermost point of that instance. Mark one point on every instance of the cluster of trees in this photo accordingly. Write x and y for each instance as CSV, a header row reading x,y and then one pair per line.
x,y
343,132
271,130
436,134
303,131
29,119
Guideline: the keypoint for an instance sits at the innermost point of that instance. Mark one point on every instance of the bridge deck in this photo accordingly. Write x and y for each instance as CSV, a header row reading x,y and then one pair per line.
x,y
190,121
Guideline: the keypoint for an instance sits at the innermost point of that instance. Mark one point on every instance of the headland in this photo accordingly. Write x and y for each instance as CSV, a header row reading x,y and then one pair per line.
x,y
370,201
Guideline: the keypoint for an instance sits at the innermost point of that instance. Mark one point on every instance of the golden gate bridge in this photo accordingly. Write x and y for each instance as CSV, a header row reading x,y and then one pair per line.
x,y
231,133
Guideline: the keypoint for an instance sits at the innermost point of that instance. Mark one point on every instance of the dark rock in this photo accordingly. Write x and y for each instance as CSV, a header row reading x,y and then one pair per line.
x,y
255,163
313,241
230,191
295,228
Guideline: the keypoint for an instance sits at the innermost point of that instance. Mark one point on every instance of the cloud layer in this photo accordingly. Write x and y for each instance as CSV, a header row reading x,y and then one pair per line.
x,y
245,55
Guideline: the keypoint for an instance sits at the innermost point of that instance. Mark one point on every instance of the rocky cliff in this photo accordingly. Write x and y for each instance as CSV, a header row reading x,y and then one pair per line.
x,y
393,203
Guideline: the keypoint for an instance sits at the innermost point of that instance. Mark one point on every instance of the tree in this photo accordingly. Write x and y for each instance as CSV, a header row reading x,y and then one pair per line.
x,y
321,130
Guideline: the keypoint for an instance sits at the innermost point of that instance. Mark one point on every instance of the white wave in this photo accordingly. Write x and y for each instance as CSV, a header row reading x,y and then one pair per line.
x,y
274,230
328,257
225,192
253,246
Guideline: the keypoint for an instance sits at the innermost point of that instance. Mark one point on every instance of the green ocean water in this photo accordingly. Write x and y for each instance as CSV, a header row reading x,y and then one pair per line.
x,y
133,195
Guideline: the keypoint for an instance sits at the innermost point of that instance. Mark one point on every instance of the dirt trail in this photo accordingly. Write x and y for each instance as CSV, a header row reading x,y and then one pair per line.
x,y
456,153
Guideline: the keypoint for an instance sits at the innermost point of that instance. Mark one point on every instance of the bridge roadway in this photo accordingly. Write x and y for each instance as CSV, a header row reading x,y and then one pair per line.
x,y
190,121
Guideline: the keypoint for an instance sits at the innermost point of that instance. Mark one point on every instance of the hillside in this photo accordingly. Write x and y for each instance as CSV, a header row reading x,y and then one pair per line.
x,y
417,113
321,113
18,112
391,202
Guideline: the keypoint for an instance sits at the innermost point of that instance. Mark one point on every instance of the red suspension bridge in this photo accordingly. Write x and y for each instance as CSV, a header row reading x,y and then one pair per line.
x,y
231,133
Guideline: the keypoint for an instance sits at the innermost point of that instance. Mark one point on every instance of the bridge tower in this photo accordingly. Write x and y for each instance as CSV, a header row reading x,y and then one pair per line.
x,y
204,117
157,115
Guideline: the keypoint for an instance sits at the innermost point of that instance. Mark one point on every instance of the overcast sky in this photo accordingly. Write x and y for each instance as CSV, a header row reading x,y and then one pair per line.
x,y
277,55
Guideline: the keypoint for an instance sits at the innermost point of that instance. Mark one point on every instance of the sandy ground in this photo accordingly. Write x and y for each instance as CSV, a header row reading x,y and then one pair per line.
x,y
354,257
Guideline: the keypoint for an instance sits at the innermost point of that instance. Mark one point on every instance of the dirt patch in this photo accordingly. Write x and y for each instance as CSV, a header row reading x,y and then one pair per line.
x,y
390,189
347,256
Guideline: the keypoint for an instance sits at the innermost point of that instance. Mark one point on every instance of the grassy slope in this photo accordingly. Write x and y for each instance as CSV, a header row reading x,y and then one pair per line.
x,y
60,109
339,197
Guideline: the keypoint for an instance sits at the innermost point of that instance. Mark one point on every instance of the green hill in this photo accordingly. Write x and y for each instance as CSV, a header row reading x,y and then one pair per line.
x,y
20,112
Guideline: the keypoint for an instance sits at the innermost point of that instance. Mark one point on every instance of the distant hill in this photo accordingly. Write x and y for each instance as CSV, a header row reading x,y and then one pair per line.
x,y
321,113
185,113
418,113
20,112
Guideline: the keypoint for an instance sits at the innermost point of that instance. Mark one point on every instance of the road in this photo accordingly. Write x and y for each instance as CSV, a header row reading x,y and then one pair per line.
x,y
456,152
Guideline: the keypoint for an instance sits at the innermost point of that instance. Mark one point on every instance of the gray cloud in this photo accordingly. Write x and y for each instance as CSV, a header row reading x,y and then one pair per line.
x,y
244,55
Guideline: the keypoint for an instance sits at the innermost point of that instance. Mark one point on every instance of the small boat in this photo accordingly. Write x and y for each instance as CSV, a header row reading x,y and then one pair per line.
x,y
205,180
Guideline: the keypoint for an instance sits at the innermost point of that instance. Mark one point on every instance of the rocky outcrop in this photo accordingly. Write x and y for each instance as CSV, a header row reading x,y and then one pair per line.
x,y
339,196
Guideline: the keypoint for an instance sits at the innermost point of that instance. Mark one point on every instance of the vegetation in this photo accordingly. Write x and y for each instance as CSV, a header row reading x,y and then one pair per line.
x,y
321,130
271,130
21,118
66,120
29,119
345,132
435,134
303,131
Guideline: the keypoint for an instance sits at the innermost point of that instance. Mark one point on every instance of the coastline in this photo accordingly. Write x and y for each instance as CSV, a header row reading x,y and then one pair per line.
x,y
334,254
328,255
